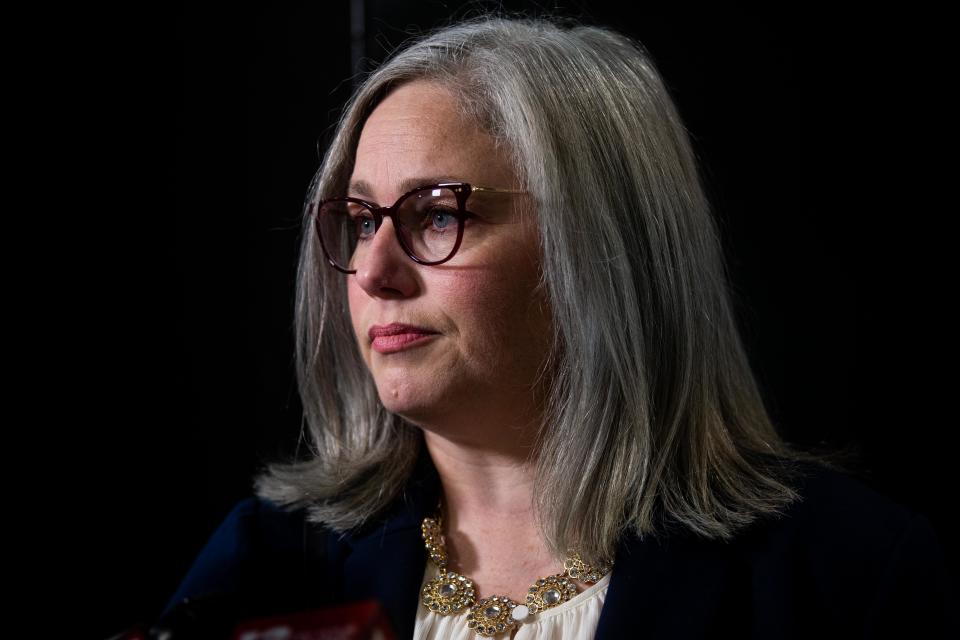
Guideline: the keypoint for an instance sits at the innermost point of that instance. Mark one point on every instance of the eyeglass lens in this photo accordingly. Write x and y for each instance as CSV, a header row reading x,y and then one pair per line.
x,y
426,220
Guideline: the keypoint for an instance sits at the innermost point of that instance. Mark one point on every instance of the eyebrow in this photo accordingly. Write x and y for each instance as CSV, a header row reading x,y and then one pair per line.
x,y
362,188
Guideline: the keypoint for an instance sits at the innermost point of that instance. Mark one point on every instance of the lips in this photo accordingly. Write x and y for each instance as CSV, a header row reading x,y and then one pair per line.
x,y
397,337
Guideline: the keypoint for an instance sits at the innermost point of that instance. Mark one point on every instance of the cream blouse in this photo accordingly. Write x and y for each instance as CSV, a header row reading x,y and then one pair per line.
x,y
574,619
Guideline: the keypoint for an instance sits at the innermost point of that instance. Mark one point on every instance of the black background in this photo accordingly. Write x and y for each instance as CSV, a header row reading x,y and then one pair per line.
x,y
818,139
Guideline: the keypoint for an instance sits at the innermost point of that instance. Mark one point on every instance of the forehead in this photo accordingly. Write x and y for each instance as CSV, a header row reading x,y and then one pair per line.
x,y
417,132
419,106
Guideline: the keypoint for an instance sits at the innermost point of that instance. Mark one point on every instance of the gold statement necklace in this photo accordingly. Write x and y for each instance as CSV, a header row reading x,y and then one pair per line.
x,y
451,593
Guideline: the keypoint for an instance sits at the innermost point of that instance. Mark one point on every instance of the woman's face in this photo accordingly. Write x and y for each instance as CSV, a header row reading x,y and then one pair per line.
x,y
491,325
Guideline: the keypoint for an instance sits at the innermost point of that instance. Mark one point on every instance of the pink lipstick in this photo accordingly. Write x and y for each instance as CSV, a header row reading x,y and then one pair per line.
x,y
397,337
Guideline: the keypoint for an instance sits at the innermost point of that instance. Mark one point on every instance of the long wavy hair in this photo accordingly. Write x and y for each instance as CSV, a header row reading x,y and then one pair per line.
x,y
654,421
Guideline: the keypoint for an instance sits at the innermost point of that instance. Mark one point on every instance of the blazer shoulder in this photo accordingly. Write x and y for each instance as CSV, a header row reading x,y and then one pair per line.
x,y
858,544
255,539
836,506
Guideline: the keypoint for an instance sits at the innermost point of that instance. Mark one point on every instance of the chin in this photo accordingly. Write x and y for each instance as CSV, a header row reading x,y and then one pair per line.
x,y
398,398
405,402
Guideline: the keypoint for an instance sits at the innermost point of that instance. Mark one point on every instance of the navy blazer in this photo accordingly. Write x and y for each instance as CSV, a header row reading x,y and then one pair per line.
x,y
844,562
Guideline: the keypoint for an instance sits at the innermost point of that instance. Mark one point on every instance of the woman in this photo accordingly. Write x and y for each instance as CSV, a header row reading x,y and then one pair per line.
x,y
530,412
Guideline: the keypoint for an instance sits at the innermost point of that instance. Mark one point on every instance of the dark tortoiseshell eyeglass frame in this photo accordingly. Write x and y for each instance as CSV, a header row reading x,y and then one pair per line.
x,y
461,190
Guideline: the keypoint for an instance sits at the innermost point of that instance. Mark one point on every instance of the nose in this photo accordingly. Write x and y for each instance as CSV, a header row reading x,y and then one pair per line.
x,y
386,271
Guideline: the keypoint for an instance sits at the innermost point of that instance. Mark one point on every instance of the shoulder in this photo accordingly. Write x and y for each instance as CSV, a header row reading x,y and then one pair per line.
x,y
834,510
838,521
256,543
855,549
843,558
255,525
845,519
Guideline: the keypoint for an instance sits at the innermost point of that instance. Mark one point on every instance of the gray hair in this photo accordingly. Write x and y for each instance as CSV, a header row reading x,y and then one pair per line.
x,y
654,420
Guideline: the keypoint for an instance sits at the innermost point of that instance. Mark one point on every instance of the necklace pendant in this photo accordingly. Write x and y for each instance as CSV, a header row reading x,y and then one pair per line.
x,y
549,592
448,594
492,616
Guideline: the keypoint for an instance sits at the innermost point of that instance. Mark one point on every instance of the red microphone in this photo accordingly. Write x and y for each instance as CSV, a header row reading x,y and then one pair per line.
x,y
215,616
365,620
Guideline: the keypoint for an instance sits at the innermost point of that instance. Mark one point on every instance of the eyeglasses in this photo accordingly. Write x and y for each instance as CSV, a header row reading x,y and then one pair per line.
x,y
428,221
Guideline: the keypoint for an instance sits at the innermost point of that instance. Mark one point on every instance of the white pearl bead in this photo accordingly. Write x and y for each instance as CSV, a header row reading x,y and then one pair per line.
x,y
520,612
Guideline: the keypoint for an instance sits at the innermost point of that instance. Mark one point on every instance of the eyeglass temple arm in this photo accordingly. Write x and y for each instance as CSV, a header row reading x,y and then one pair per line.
x,y
495,190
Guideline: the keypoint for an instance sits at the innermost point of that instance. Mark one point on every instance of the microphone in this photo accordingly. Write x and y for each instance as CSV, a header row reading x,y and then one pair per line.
x,y
215,617
365,620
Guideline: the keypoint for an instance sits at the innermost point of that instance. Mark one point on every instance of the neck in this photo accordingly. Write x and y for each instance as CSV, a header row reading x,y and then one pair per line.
x,y
489,524
485,458
482,487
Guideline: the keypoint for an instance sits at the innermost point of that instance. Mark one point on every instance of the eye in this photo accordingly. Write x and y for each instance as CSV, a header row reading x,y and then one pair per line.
x,y
365,227
441,218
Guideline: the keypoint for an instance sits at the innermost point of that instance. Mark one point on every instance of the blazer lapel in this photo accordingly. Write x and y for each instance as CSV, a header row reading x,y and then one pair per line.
x,y
387,562
672,588
388,566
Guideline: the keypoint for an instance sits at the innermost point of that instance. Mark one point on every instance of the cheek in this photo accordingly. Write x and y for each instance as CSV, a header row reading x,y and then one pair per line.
x,y
499,315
